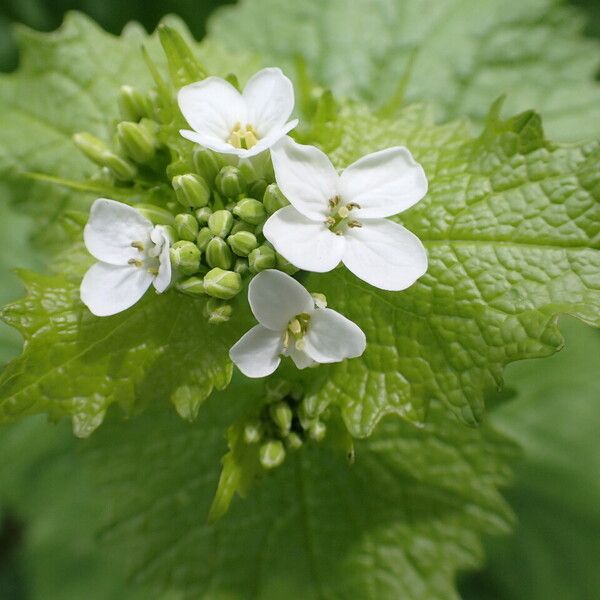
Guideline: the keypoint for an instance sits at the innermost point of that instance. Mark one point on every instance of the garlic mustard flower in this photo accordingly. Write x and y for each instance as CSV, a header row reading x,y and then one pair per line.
x,y
291,324
335,218
133,255
242,124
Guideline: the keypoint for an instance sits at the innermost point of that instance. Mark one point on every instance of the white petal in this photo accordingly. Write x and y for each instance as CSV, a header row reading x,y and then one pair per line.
x,y
212,107
331,337
111,229
109,289
212,142
305,176
269,97
275,298
307,244
300,358
383,183
163,279
385,254
257,352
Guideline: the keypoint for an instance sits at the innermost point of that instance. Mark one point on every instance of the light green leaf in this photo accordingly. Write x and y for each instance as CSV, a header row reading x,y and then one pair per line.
x,y
458,54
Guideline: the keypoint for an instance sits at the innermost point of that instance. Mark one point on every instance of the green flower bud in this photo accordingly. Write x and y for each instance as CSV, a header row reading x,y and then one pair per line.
x,y
156,214
186,227
203,214
220,223
192,285
120,168
204,236
250,210
253,431
191,190
242,226
293,441
247,169
257,189
222,284
285,265
137,141
320,299
132,103
273,199
317,431
242,242
241,266
230,182
271,454
218,253
185,257
261,258
97,151
282,415
206,163
220,314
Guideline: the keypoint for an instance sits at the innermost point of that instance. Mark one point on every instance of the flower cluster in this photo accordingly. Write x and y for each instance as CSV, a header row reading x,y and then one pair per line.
x,y
248,203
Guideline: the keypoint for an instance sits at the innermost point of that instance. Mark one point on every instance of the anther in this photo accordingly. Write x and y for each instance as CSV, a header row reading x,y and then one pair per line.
x,y
135,261
354,224
153,271
295,327
138,245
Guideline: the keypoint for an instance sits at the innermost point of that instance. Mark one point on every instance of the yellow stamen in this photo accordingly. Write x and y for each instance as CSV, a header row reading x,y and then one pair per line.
x,y
138,245
136,262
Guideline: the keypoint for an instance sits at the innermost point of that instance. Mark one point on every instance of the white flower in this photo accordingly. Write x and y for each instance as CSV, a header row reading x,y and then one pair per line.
x,y
335,218
291,324
242,124
133,254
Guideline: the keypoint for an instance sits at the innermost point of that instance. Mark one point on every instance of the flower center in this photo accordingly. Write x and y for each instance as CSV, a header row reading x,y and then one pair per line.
x,y
147,260
339,218
296,330
243,137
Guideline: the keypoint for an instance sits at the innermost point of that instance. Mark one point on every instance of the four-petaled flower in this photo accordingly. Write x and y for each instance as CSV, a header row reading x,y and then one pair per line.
x,y
242,124
133,254
292,324
335,218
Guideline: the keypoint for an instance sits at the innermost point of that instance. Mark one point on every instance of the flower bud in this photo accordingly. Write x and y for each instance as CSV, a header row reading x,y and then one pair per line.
x,y
247,169
253,431
317,431
192,285
186,227
203,214
242,226
242,242
241,266
185,257
137,141
293,441
261,258
156,214
221,313
191,190
271,454
120,168
132,103
250,210
204,236
320,300
222,284
257,188
282,415
220,223
97,151
273,199
285,265
206,164
218,253
230,182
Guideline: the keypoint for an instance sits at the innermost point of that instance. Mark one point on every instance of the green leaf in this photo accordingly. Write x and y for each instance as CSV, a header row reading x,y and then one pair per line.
x,y
457,54
554,417
396,524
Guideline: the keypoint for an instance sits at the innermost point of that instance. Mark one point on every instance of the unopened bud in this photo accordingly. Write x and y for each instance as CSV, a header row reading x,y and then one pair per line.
x,y
230,182
186,227
204,236
282,415
317,431
222,284
241,266
242,226
97,151
261,258
185,257
220,223
120,168
293,441
203,214
250,210
218,253
191,190
220,314
194,286
253,431
242,242
132,104
271,454
137,141
257,188
320,300
285,265
206,163
273,199
156,214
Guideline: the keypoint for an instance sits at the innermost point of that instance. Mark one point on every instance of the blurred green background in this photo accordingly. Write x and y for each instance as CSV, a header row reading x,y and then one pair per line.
x,y
47,525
